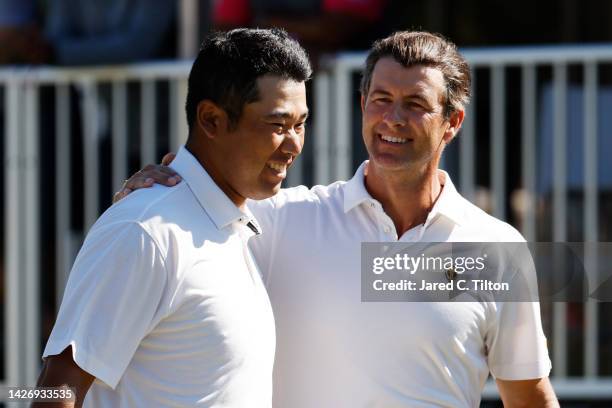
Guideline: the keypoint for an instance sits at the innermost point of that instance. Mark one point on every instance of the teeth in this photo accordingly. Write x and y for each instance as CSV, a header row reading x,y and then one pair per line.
x,y
281,168
393,139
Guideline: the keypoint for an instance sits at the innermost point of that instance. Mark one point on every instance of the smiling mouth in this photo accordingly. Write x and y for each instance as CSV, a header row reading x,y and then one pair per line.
x,y
280,168
391,139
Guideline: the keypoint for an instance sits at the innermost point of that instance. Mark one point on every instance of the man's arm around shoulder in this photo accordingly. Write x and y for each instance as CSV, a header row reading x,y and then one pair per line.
x,y
61,371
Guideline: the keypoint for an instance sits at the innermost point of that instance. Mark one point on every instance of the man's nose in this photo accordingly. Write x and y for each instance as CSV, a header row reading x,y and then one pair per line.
x,y
293,143
393,116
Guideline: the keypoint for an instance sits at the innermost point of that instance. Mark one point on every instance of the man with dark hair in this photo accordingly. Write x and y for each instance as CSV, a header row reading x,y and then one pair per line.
x,y
334,350
164,305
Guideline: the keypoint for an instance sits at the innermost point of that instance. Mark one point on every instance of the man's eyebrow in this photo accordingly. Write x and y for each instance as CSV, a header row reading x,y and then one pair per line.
x,y
380,91
284,115
415,95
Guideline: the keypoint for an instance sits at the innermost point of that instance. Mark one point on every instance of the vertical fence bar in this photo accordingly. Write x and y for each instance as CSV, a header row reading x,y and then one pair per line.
x,y
148,145
467,180
528,148
322,127
560,208
14,238
591,212
341,147
119,112
173,114
31,180
498,141
178,124
63,237
91,129
188,28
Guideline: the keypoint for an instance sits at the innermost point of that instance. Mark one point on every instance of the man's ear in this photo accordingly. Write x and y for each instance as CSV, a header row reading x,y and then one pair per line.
x,y
210,118
363,101
454,121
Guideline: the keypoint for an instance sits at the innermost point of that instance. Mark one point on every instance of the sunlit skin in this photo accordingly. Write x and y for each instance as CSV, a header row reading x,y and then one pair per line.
x,y
406,104
251,159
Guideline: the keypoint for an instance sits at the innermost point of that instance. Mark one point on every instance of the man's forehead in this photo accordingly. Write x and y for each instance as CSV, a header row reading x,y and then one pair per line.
x,y
393,76
281,113
277,82
280,97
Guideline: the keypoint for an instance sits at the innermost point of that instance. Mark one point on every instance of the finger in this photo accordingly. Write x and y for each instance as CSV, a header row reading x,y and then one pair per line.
x,y
169,172
167,159
121,194
160,174
138,181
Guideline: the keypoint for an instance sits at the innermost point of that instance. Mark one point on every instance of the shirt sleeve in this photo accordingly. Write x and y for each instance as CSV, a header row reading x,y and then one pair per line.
x,y
112,300
515,341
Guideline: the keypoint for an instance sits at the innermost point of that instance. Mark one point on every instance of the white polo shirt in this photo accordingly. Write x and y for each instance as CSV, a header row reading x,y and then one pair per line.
x,y
335,351
164,305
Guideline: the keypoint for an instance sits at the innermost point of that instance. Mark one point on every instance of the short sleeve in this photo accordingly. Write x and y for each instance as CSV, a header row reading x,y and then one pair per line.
x,y
111,301
515,341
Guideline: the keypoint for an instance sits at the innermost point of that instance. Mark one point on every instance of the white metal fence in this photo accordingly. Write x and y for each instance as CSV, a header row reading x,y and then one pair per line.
x,y
24,128
333,135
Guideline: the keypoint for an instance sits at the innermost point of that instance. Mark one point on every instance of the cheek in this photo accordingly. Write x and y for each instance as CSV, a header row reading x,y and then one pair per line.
x,y
370,118
264,147
372,112
424,122
419,118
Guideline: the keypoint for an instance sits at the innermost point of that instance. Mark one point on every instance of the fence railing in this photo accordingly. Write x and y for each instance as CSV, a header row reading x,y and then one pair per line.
x,y
24,128
110,100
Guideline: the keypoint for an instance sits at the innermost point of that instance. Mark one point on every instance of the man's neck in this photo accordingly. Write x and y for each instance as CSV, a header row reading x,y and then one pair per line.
x,y
200,152
406,196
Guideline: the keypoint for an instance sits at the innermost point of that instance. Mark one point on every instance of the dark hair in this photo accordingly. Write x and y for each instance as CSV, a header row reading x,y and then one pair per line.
x,y
229,63
422,48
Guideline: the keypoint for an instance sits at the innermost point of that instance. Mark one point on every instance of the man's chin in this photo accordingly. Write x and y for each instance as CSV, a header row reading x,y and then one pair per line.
x,y
265,192
390,163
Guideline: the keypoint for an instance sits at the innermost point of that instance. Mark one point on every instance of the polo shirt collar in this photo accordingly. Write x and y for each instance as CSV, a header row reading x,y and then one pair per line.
x,y
450,203
355,192
221,210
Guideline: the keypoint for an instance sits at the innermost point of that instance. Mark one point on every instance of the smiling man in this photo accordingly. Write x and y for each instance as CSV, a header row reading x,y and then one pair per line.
x,y
164,305
334,350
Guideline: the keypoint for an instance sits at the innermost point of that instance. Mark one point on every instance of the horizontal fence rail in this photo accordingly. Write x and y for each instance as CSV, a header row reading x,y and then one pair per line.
x,y
93,109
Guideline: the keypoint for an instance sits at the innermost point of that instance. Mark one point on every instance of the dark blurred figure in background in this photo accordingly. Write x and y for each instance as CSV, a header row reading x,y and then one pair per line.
x,y
110,31
107,32
320,25
21,40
